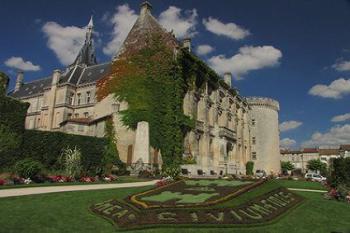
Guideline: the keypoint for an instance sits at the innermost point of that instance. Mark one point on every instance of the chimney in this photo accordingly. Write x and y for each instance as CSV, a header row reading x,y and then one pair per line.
x,y
146,8
186,43
19,80
228,78
56,77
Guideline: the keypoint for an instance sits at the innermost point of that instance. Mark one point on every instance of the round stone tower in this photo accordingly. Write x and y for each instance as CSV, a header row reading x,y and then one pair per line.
x,y
265,152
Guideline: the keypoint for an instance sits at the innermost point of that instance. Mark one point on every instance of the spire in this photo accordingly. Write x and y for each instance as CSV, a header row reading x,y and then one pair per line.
x,y
91,22
146,8
86,56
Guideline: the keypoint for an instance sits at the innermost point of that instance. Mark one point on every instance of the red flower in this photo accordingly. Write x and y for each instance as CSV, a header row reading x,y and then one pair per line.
x,y
2,182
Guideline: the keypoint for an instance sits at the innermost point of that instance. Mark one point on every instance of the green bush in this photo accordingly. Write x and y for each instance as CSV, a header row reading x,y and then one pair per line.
x,y
28,168
286,166
172,171
12,116
318,166
340,172
47,147
249,168
71,162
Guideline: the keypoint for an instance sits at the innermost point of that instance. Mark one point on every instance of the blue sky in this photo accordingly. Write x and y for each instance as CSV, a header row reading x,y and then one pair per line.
x,y
297,52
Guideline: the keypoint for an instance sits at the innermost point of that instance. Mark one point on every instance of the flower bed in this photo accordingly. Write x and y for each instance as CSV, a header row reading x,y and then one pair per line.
x,y
186,193
261,209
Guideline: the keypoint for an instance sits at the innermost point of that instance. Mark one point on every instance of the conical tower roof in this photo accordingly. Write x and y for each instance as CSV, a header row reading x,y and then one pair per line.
x,y
145,26
86,56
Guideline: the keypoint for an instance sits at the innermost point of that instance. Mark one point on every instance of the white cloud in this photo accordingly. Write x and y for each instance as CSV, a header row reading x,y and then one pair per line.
x,y
122,20
336,90
230,30
249,58
20,64
204,49
183,25
287,142
289,125
342,66
337,135
66,42
341,118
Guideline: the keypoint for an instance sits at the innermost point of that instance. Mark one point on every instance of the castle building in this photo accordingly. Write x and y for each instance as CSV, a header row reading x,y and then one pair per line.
x,y
229,131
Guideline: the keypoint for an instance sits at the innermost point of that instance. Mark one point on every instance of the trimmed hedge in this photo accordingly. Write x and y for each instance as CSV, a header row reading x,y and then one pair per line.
x,y
46,147
12,117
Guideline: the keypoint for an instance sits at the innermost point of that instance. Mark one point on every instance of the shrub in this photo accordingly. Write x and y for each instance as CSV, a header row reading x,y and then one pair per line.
x,y
28,168
47,148
71,161
172,171
286,166
145,174
317,165
340,172
12,116
249,168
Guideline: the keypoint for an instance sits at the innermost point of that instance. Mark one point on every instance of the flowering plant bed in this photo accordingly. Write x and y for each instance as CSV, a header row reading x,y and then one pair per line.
x,y
258,210
192,192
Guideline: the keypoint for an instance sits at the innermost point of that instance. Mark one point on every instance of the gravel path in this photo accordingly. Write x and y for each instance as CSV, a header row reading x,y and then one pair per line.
x,y
308,190
13,192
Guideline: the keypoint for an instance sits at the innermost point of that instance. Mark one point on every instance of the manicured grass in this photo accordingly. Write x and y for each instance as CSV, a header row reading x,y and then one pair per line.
x,y
300,184
68,213
121,179
231,183
180,197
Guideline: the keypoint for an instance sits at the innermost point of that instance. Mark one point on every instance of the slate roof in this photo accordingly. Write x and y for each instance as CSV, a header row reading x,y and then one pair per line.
x,y
32,88
76,76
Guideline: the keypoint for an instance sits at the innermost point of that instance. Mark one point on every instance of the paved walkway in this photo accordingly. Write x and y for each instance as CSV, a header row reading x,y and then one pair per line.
x,y
308,190
13,192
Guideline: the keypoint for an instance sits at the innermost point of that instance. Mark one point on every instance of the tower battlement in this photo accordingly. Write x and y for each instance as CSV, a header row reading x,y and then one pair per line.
x,y
263,101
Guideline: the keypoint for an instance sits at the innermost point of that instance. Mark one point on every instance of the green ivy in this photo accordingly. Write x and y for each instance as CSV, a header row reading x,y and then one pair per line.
x,y
154,87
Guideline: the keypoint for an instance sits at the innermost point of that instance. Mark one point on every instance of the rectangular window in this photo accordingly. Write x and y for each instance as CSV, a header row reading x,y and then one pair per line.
x,y
76,115
253,140
80,128
88,97
71,98
79,98
86,114
69,116
254,155
253,121
115,107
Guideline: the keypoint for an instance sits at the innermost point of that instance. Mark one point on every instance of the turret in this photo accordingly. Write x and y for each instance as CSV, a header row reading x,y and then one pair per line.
x,y
56,77
186,43
228,79
19,80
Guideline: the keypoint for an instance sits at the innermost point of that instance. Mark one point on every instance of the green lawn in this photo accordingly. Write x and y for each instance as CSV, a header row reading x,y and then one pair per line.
x,y
301,184
121,179
68,213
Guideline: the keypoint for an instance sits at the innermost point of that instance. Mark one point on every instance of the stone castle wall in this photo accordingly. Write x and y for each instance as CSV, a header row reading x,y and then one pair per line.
x,y
265,132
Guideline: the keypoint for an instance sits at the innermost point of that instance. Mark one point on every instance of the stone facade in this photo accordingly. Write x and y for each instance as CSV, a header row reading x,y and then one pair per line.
x,y
263,116
225,135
